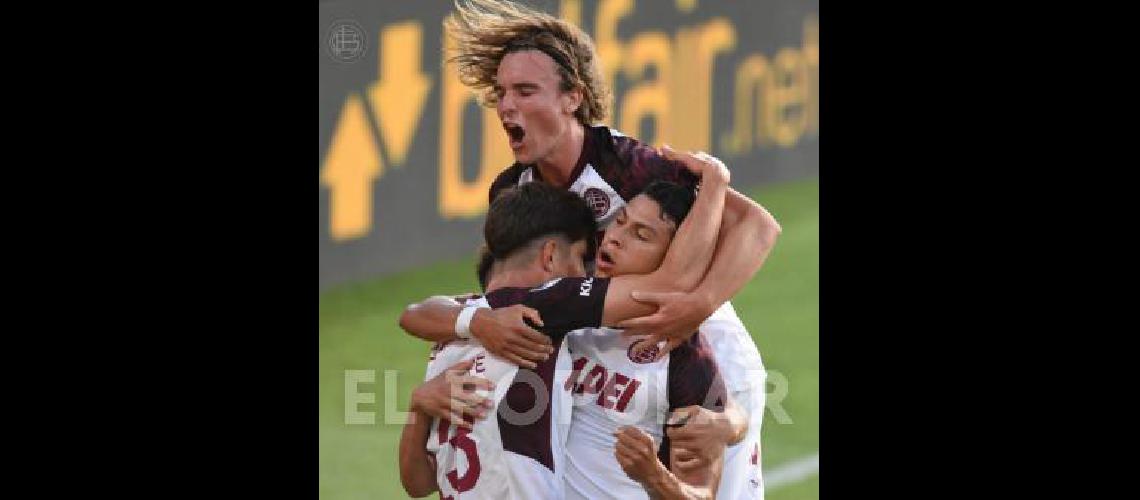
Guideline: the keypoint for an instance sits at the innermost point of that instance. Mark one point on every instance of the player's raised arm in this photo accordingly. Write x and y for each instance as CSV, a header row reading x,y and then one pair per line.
x,y
692,249
689,254
747,236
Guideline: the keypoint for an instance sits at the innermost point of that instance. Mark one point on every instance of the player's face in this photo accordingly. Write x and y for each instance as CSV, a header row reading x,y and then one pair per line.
x,y
534,111
570,262
636,241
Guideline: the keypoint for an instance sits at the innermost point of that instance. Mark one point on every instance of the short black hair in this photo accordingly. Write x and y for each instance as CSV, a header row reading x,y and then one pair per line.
x,y
519,215
483,266
675,200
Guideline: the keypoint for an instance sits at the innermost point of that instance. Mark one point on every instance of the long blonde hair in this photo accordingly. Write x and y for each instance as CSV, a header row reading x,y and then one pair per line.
x,y
487,30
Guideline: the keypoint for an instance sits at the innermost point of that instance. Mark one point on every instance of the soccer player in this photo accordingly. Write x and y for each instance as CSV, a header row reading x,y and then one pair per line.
x,y
519,443
541,73
634,244
515,452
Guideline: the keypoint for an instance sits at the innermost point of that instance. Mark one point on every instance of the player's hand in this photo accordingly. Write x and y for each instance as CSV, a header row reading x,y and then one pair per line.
x,y
452,395
505,334
677,318
701,164
697,436
637,454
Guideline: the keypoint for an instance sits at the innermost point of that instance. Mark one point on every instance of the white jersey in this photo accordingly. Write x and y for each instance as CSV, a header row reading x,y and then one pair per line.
x,y
612,388
736,353
474,464
740,478
517,451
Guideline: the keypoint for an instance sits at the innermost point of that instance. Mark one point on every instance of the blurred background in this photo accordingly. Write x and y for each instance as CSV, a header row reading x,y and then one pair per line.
x,y
406,157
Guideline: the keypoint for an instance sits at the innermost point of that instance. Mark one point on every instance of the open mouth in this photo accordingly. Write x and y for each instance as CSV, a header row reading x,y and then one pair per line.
x,y
605,262
516,134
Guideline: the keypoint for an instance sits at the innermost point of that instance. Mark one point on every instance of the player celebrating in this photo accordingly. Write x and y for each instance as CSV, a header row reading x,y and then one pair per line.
x,y
519,442
541,73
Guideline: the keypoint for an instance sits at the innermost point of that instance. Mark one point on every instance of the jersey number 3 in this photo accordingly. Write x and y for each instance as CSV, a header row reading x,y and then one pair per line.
x,y
461,441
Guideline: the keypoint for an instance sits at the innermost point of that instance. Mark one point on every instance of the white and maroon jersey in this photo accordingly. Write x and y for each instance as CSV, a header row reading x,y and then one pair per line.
x,y
611,170
517,451
612,387
744,373
736,353
740,478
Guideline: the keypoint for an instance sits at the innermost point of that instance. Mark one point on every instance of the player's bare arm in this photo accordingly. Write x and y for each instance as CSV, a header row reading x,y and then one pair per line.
x,y
428,319
417,469
747,236
504,332
637,454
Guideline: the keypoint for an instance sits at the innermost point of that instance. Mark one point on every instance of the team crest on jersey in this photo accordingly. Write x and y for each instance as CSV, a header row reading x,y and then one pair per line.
x,y
646,356
598,200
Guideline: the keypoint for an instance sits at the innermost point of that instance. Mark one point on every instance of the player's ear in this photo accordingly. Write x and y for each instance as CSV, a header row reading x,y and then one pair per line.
x,y
571,100
548,253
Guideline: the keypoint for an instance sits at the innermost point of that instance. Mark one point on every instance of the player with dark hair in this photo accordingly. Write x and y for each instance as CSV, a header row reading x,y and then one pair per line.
x,y
512,455
542,75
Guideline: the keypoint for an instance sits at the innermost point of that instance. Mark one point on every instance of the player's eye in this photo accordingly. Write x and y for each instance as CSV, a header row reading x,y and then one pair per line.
x,y
643,235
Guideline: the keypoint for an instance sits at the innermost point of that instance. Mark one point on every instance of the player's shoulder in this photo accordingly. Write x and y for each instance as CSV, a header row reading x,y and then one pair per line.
x,y
509,177
635,163
615,148
552,290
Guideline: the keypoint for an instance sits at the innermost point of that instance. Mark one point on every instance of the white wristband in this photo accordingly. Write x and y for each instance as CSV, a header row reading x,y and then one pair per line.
x,y
463,322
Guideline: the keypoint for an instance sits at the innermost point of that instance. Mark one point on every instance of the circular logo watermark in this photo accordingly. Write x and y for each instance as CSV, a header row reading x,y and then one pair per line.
x,y
346,41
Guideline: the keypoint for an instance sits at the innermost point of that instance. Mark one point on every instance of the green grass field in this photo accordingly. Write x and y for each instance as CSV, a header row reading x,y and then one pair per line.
x,y
359,331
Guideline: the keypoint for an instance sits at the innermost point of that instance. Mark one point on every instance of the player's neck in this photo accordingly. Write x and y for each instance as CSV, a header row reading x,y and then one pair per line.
x,y
516,278
557,167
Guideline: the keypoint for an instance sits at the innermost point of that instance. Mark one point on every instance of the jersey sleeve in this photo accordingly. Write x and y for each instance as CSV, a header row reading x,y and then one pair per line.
x,y
565,304
694,377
